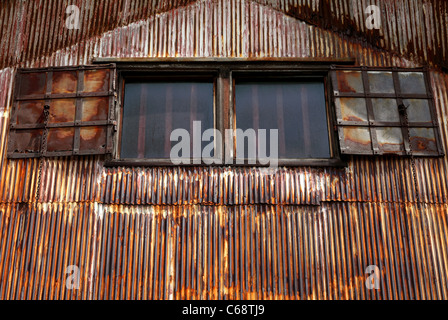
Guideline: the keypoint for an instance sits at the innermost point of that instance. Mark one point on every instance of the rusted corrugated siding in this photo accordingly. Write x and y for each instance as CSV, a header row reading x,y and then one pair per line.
x,y
318,228
414,29
224,252
37,245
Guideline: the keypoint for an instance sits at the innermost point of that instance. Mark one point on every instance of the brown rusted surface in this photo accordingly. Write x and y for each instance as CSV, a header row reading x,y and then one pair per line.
x,y
349,81
222,232
64,82
214,252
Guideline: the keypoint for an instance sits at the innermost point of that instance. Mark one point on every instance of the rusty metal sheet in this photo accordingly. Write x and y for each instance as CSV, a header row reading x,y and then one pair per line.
x,y
414,29
215,252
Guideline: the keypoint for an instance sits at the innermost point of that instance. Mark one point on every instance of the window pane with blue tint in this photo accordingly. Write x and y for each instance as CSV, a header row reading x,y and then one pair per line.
x,y
152,110
296,108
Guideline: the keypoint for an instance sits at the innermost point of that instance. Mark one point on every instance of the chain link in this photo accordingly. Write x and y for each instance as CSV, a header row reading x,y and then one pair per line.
x,y
403,110
43,150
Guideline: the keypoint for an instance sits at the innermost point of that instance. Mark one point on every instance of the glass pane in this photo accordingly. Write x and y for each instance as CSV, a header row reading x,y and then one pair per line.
x,y
60,139
92,138
423,139
381,82
356,140
349,81
33,83
385,110
95,108
418,110
352,109
412,82
390,138
96,80
296,109
64,82
152,110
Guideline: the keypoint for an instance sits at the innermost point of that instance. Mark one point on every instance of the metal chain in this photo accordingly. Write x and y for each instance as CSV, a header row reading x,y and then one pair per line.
x,y
43,149
403,110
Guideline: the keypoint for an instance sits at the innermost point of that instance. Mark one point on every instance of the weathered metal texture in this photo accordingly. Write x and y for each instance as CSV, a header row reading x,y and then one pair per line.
x,y
414,29
348,217
224,252
38,245
80,102
385,179
369,121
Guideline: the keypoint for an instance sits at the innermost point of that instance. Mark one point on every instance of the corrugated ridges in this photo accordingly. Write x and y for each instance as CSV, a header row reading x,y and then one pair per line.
x,y
381,225
368,180
225,252
31,29
69,180
415,29
381,180
38,245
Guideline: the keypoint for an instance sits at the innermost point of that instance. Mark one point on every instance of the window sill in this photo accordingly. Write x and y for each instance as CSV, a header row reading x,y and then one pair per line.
x,y
281,163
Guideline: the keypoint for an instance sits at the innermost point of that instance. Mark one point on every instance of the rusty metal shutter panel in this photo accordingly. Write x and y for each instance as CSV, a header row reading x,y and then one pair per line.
x,y
81,114
367,103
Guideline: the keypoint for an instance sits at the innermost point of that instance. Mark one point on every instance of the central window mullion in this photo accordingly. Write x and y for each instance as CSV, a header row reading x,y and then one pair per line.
x,y
224,114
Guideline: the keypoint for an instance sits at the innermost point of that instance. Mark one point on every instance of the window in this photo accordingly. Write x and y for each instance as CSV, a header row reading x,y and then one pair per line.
x,y
278,110
153,109
385,111
80,119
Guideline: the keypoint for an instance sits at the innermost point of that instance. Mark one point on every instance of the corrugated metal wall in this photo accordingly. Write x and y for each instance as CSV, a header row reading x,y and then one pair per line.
x,y
222,232
415,29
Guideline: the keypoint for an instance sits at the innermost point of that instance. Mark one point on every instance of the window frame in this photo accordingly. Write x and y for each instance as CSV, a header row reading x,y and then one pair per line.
x,y
163,76
302,75
373,124
224,112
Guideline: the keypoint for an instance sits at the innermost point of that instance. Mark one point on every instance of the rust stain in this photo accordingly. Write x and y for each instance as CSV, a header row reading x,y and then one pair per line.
x,y
92,137
95,108
60,139
33,83
423,144
30,112
345,79
64,82
62,110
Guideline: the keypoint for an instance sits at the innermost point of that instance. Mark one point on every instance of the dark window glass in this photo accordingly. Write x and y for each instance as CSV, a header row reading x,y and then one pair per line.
x,y
296,109
152,110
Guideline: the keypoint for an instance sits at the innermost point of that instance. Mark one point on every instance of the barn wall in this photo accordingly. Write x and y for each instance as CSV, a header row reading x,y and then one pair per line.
x,y
222,232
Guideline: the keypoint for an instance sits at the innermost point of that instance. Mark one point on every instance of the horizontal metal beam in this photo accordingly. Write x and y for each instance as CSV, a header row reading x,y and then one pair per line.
x,y
348,60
